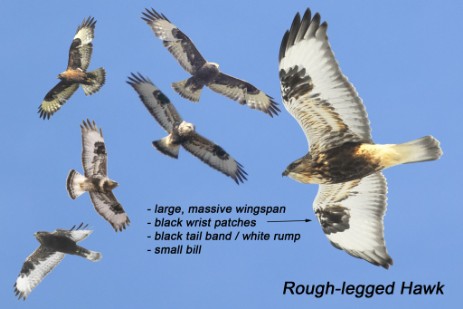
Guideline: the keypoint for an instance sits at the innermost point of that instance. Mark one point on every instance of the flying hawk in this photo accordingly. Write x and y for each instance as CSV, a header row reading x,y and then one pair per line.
x,y
342,158
96,181
182,132
76,73
53,247
204,73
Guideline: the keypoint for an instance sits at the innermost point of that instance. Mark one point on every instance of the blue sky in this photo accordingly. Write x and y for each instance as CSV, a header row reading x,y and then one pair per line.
x,y
404,60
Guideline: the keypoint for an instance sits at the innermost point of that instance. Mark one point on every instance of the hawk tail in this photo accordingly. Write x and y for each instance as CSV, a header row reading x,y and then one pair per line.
x,y
188,90
422,149
97,80
167,147
88,254
73,183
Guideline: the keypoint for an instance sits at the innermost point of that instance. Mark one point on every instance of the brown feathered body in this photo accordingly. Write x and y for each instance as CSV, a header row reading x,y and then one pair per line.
x,y
78,76
354,160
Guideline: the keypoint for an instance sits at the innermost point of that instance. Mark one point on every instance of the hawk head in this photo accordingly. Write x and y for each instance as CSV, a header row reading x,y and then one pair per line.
x,y
299,170
185,128
213,64
41,236
109,184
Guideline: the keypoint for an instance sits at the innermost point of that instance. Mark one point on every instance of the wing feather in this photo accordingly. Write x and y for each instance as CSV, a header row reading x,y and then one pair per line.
x,y
94,157
55,98
35,268
215,156
76,233
351,215
158,105
81,48
177,42
314,90
109,208
245,93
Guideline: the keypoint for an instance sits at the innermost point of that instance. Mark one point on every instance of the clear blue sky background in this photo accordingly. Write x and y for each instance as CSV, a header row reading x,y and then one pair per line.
x,y
404,58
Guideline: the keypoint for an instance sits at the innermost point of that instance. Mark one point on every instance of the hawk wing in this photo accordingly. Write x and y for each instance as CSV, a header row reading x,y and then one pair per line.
x,y
109,208
155,101
245,93
178,44
94,157
56,97
314,90
35,268
351,215
215,156
81,48
76,233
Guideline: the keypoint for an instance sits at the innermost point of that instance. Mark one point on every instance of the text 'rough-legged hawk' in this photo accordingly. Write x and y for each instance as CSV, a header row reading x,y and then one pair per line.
x,y
53,247
76,73
182,132
96,181
204,73
342,158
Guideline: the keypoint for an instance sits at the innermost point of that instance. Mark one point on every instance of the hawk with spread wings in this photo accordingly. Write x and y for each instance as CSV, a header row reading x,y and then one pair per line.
x,y
95,179
76,73
204,73
182,132
342,158
53,247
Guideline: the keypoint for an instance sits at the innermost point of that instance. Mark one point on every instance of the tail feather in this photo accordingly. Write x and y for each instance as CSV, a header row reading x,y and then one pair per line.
x,y
98,78
422,149
185,89
167,147
73,184
88,254
93,256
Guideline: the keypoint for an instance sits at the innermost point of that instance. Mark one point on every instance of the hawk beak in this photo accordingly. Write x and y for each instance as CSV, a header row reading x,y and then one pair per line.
x,y
285,173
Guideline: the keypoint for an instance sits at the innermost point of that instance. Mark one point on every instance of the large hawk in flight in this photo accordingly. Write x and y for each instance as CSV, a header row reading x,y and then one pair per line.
x,y
53,247
76,73
182,132
204,73
96,181
342,157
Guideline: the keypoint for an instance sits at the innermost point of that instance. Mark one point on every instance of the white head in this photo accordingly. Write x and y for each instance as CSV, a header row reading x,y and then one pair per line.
x,y
186,128
214,65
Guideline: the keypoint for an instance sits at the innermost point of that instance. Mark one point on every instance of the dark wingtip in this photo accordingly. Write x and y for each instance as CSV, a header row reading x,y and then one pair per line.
x,y
137,78
81,226
121,227
299,28
18,293
240,174
43,114
150,16
87,22
273,108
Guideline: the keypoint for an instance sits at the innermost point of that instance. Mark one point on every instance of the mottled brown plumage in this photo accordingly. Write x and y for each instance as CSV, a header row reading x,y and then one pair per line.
x,y
53,247
335,165
182,133
342,157
95,180
76,73
204,73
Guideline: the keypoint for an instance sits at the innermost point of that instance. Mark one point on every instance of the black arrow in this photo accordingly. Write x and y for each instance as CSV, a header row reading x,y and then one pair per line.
x,y
303,220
